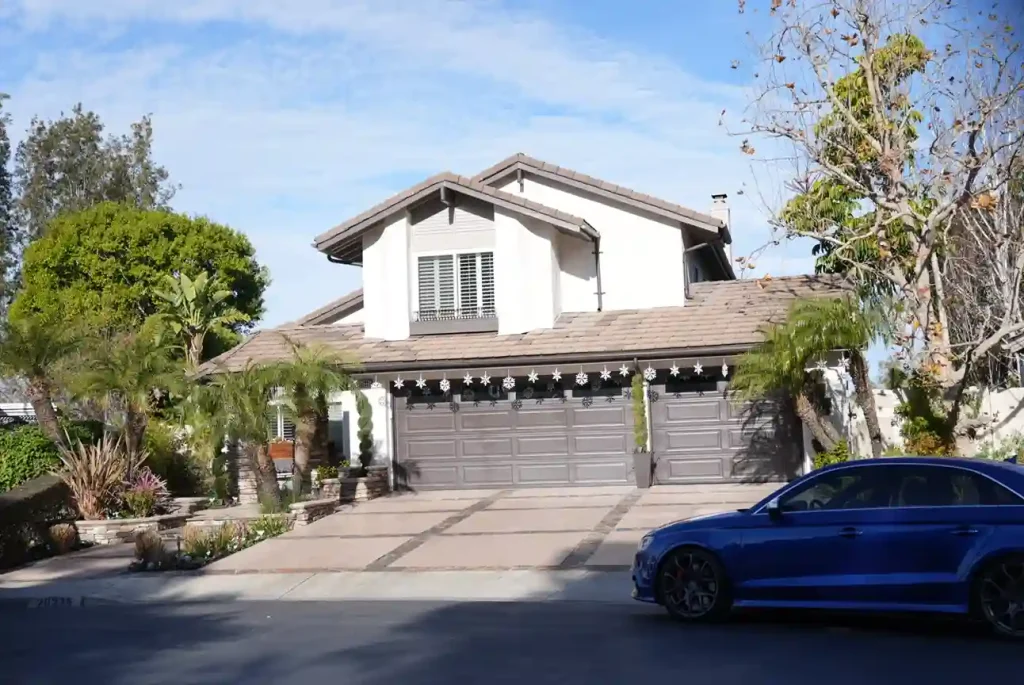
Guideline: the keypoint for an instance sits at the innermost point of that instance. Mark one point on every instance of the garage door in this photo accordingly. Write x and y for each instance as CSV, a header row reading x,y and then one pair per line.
x,y
503,442
698,435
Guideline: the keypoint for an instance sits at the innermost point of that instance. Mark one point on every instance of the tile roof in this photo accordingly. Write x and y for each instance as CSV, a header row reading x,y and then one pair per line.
x,y
333,310
357,224
642,200
723,316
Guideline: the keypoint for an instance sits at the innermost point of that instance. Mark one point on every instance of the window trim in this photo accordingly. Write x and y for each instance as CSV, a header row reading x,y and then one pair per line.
x,y
959,467
455,254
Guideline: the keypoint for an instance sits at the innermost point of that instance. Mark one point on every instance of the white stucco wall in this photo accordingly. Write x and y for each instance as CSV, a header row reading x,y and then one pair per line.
x,y
381,422
577,282
524,255
637,251
386,281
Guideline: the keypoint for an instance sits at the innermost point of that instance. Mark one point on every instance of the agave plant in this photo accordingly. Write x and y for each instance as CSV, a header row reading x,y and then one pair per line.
x,y
96,474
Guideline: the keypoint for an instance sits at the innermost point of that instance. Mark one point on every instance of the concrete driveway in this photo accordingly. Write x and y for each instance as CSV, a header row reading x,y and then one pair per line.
x,y
563,528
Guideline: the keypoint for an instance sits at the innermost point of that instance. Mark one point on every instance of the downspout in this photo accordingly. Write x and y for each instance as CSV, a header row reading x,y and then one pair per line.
x,y
597,268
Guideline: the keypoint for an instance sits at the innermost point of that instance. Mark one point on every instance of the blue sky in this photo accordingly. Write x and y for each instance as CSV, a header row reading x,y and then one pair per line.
x,y
283,119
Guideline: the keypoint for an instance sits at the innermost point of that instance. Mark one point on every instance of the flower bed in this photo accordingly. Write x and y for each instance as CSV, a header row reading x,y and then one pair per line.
x,y
202,545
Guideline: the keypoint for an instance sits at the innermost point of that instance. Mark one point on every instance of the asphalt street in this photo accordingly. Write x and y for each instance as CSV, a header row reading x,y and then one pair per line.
x,y
413,643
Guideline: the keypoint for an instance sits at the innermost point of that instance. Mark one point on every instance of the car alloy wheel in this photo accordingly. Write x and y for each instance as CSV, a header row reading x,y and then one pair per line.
x,y
691,585
1001,596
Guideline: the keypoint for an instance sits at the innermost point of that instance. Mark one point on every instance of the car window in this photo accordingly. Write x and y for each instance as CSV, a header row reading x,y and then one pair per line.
x,y
941,486
852,488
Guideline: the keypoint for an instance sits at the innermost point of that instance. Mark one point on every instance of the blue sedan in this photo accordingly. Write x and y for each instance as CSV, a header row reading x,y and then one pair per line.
x,y
908,534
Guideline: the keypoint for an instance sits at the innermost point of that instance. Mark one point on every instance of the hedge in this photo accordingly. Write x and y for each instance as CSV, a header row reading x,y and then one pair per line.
x,y
26,513
26,452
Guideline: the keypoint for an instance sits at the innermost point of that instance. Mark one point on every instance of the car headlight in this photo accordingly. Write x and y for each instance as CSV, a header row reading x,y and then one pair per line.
x,y
645,542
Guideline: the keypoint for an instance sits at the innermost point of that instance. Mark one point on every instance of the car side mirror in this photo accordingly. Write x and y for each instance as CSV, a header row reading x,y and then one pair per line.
x,y
773,509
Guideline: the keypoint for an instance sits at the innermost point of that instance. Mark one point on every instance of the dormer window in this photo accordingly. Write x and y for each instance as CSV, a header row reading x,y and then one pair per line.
x,y
453,288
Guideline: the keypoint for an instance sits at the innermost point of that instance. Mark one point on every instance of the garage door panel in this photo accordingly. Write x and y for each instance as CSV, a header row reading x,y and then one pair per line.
x,y
555,417
543,473
597,416
435,476
708,438
496,474
599,444
676,440
418,448
546,445
554,443
690,469
484,420
601,472
492,447
426,421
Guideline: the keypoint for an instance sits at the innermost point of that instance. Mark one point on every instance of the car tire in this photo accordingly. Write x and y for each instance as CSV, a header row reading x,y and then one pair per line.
x,y
693,587
997,596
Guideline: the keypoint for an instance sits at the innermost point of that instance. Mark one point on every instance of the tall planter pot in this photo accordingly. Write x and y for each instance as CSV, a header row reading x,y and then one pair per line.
x,y
643,467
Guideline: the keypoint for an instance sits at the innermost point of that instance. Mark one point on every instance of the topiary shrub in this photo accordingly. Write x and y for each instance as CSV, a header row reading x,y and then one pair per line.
x,y
839,454
365,430
639,413
25,453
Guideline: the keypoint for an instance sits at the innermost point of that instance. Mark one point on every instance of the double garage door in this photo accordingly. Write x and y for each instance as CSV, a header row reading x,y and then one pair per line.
x,y
696,438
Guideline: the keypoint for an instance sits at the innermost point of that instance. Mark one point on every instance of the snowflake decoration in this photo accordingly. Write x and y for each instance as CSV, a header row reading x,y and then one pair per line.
x,y
821,366
673,370
421,382
725,370
698,368
508,383
845,363
581,378
588,401
468,379
649,373
376,384
517,404
557,376
445,384
485,379
623,370
399,382
533,376
605,374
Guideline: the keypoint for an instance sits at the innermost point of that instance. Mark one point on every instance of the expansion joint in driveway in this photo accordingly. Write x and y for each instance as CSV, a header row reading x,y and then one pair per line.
x,y
589,544
397,553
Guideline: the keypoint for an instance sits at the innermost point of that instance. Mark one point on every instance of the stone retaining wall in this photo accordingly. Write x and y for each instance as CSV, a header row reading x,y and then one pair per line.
x,y
111,531
304,513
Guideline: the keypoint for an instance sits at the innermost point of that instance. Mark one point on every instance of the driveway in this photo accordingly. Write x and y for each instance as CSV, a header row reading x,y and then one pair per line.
x,y
594,528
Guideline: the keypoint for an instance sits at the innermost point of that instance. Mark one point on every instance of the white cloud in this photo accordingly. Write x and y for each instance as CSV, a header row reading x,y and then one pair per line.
x,y
304,113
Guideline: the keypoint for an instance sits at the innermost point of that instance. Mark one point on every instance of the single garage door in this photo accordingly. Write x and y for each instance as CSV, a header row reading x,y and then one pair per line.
x,y
507,442
698,435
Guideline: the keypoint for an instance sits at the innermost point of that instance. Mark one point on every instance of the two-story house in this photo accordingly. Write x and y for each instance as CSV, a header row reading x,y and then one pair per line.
x,y
502,318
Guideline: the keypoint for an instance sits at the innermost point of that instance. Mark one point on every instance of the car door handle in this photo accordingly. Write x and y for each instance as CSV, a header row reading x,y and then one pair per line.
x,y
965,531
849,532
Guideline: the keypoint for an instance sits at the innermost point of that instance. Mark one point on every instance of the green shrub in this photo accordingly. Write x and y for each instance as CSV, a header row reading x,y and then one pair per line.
x,y
1010,446
26,513
639,413
25,453
837,455
266,527
207,545
364,431
323,472
184,475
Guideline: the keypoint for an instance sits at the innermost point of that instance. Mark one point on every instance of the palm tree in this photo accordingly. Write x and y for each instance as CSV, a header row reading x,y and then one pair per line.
x,y
194,307
128,374
32,349
812,329
308,379
243,397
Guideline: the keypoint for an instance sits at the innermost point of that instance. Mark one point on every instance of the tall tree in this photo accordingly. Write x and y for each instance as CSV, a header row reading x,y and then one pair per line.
x,y
308,378
192,308
33,349
105,263
892,139
67,165
8,232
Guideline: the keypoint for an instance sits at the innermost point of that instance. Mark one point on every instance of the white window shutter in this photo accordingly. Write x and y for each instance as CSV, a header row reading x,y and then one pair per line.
x,y
427,286
446,286
487,283
468,284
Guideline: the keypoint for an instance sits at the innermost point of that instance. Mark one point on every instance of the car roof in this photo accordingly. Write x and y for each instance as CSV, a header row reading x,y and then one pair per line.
x,y
1008,473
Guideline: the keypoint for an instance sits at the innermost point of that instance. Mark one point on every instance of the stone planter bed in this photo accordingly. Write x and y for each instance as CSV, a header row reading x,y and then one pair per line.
x,y
355,489
304,513
113,531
